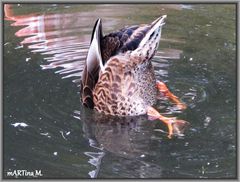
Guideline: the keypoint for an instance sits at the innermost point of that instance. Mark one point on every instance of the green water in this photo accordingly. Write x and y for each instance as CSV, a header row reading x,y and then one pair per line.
x,y
197,59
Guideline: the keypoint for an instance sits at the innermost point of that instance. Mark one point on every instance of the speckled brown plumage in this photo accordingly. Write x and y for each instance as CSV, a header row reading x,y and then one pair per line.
x,y
128,91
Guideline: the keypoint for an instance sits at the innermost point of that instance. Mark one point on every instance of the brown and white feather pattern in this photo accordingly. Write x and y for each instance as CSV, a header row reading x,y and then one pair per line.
x,y
125,89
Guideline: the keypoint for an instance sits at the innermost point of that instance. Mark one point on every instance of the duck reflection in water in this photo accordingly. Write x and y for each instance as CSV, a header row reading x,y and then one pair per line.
x,y
127,137
124,136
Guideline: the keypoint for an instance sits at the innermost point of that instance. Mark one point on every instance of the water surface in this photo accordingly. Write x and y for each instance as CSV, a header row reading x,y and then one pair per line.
x,y
46,128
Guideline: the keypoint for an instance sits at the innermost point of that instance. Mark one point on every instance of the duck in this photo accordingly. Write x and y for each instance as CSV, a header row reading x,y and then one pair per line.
x,y
118,77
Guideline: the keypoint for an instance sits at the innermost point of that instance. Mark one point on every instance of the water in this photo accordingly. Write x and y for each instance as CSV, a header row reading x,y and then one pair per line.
x,y
47,129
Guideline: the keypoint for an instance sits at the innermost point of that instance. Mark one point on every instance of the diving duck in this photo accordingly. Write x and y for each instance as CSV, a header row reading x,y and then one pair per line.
x,y
118,77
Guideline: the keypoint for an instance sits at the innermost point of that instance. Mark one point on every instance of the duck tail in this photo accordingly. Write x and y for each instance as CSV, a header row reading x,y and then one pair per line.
x,y
149,44
92,67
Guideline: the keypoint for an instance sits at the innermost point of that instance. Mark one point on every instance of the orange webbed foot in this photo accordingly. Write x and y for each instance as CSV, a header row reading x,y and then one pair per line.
x,y
175,127
165,91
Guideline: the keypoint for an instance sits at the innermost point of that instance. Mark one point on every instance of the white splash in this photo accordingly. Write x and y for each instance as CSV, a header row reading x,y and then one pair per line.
x,y
19,124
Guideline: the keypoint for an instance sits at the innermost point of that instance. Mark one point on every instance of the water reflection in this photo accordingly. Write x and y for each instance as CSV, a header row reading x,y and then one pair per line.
x,y
126,137
61,38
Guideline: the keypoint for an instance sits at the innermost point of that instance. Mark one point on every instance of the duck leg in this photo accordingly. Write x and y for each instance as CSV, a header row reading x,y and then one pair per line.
x,y
164,90
175,127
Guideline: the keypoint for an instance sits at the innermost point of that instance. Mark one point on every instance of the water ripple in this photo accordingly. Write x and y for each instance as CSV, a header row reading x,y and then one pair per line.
x,y
63,45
